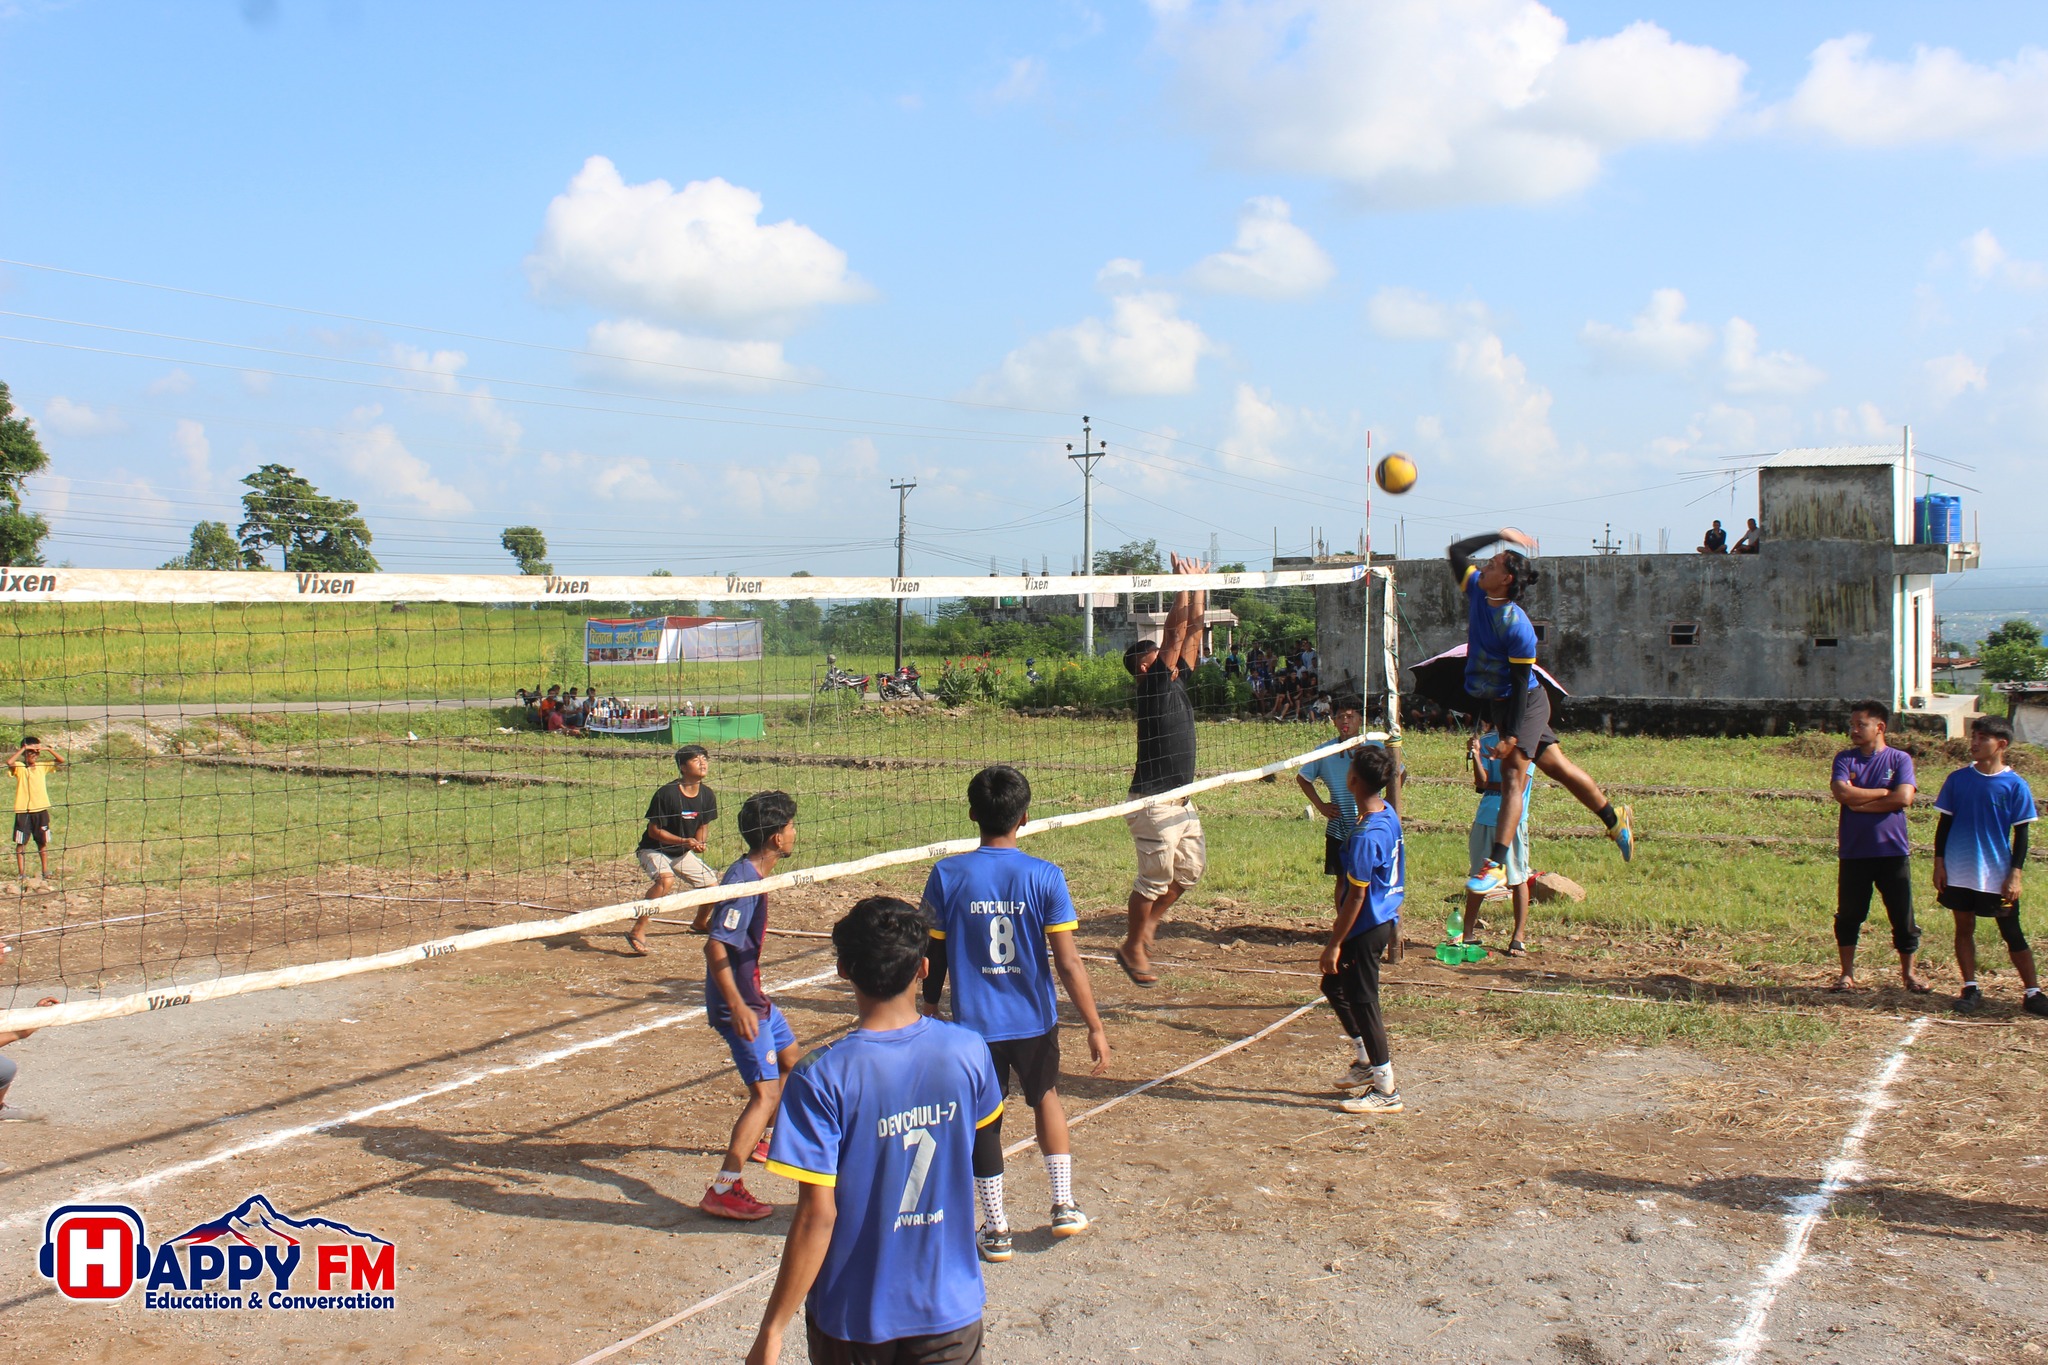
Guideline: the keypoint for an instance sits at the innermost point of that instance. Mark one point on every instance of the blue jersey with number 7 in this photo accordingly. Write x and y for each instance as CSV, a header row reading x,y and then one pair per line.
x,y
994,908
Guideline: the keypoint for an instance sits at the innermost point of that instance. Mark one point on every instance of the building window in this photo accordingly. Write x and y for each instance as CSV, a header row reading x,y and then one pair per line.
x,y
1685,634
1542,630
1825,642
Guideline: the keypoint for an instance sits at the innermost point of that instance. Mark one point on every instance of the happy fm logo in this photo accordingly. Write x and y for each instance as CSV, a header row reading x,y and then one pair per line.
x,y
248,1257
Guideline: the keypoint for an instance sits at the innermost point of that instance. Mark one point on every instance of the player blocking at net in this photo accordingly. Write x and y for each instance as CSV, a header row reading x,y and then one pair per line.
x,y
763,1046
997,913
879,1130
1500,678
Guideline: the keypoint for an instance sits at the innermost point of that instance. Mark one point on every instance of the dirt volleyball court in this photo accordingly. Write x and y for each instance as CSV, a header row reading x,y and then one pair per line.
x,y
533,1125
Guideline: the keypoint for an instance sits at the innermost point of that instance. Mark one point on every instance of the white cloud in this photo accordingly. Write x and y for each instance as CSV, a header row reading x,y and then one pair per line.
x,y
1990,262
1953,375
1720,430
1939,97
1774,372
1408,315
177,381
1658,337
627,478
256,382
441,369
1418,102
1271,258
697,256
796,481
376,453
1022,81
1506,412
189,439
1144,347
1862,421
1256,426
66,418
643,352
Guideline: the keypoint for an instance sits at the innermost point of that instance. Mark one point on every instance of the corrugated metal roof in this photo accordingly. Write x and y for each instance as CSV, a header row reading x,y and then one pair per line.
x,y
1808,456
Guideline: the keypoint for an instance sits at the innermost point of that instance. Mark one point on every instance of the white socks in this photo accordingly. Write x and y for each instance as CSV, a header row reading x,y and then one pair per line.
x,y
988,1197
1059,1172
1363,1058
726,1180
1383,1078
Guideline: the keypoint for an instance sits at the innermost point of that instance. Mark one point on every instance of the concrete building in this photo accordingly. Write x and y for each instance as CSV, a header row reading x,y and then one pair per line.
x,y
2027,707
1837,605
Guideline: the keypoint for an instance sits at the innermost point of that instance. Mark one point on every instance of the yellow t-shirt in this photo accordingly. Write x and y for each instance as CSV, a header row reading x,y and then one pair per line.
x,y
31,785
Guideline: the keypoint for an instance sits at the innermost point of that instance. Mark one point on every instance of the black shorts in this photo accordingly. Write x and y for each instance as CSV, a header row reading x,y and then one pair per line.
x,y
962,1346
1533,736
1968,901
1333,857
1035,1060
32,824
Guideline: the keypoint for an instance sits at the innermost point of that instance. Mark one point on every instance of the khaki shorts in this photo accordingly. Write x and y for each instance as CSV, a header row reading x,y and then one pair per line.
x,y
686,867
1170,848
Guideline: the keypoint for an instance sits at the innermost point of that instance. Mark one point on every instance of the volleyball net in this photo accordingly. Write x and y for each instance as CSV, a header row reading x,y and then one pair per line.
x,y
257,780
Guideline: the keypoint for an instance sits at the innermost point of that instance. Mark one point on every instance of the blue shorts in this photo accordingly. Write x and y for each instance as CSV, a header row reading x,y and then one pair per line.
x,y
756,1060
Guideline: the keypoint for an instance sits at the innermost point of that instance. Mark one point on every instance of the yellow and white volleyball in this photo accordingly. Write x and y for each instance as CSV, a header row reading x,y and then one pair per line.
x,y
1396,473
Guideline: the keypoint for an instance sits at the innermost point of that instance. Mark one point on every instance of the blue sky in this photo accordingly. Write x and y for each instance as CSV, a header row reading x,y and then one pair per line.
x,y
1576,259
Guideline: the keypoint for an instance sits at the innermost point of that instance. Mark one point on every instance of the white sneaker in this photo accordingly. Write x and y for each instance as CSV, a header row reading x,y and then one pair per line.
x,y
1373,1102
1357,1078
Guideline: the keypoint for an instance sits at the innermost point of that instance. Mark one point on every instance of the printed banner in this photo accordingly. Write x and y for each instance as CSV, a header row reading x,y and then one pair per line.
x,y
671,639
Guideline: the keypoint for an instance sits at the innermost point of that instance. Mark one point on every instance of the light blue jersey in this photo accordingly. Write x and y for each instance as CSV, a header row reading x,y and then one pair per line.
x,y
1983,809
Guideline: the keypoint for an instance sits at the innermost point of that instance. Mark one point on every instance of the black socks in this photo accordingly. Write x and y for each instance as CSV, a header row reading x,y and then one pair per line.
x,y
1607,815
1500,854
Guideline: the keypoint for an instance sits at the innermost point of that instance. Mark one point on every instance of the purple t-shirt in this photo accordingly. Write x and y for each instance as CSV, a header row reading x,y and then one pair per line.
x,y
1863,835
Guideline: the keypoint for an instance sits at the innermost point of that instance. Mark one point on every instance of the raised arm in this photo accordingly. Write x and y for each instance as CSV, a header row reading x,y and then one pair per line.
x,y
1173,634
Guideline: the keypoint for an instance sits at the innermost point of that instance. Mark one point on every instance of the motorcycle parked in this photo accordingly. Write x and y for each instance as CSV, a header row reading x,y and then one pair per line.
x,y
903,685
838,679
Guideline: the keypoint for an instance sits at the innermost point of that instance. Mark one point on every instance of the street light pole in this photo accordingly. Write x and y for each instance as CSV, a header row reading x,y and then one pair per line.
x,y
902,529
1088,454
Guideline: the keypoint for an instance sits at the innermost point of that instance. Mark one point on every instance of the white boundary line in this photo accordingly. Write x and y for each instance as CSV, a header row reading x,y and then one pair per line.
x,y
278,1137
733,1290
1807,1210
169,997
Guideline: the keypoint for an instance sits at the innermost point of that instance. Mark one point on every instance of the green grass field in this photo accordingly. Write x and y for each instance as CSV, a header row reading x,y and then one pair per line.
x,y
336,798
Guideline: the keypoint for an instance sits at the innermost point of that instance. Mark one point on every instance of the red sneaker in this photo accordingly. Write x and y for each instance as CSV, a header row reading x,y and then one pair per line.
x,y
760,1152
735,1203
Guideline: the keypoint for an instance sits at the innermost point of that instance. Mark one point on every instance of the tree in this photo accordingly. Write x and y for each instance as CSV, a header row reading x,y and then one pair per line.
x,y
528,548
21,454
2013,660
2014,632
318,534
1137,556
213,547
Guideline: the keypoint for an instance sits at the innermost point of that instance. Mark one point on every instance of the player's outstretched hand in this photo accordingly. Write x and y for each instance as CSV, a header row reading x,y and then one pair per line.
x,y
1098,1050
1510,534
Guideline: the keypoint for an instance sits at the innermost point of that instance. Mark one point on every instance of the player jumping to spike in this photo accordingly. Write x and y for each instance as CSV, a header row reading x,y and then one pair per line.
x,y
1500,676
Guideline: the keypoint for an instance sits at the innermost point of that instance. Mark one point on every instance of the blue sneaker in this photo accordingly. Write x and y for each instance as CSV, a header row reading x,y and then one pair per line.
x,y
1488,880
1623,833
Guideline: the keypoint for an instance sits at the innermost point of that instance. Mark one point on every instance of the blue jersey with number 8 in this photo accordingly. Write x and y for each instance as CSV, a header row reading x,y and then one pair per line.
x,y
994,908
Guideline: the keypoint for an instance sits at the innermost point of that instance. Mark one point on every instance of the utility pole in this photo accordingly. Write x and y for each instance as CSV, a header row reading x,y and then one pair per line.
x,y
902,491
1088,454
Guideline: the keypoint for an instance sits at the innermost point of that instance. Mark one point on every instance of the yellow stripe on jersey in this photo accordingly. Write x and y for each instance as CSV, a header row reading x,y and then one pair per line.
x,y
938,933
1066,928
1355,882
1470,569
983,1124
1530,660
789,1172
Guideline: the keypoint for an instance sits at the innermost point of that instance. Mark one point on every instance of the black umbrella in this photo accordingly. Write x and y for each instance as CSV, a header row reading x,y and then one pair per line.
x,y
1442,680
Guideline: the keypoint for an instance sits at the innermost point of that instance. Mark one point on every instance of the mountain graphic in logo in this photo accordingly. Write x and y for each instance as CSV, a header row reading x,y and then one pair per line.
x,y
256,1221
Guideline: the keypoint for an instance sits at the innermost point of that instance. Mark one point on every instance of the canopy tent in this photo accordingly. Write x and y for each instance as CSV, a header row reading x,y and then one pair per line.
x,y
671,639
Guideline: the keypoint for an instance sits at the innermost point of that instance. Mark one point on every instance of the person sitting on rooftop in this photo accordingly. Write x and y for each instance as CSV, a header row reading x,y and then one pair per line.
x,y
1752,539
